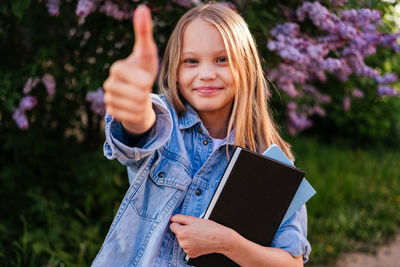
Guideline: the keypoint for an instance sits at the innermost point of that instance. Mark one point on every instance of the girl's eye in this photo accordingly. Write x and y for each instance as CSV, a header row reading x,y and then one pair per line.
x,y
222,59
190,61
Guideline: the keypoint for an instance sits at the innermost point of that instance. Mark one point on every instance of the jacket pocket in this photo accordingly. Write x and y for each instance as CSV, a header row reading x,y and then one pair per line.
x,y
162,189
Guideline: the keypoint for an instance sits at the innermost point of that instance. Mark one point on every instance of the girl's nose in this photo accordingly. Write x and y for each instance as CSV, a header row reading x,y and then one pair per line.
x,y
207,72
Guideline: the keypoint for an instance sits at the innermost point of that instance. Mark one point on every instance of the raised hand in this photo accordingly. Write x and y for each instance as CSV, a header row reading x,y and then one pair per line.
x,y
128,87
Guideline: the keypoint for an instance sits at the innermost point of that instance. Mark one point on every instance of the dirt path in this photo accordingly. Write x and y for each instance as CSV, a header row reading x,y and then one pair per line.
x,y
387,256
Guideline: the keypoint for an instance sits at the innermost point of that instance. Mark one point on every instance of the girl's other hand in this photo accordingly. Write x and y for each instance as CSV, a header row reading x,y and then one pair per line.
x,y
128,87
199,236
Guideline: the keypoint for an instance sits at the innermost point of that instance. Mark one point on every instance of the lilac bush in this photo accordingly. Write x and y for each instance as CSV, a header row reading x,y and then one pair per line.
x,y
346,39
319,39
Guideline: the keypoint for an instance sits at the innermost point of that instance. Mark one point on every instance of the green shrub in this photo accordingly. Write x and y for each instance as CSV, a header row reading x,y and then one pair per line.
x,y
59,199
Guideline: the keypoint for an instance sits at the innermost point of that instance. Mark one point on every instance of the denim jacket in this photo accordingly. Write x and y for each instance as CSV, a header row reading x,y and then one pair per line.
x,y
174,169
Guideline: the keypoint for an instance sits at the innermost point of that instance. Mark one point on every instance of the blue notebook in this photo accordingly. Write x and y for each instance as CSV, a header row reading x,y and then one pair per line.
x,y
305,190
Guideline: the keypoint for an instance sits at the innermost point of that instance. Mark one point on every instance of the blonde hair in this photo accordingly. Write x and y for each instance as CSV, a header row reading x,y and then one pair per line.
x,y
252,121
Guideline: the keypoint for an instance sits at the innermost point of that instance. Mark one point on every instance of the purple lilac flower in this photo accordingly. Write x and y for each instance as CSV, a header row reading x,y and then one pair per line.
x,y
30,84
291,106
297,122
331,64
50,84
329,39
385,90
320,16
27,103
361,16
321,98
184,3
319,111
287,73
344,72
96,98
230,5
112,10
85,7
390,40
317,51
310,89
357,64
338,2
318,75
356,93
289,47
53,7
387,78
20,119
347,31
314,110
289,88
292,53
285,77
346,103
288,28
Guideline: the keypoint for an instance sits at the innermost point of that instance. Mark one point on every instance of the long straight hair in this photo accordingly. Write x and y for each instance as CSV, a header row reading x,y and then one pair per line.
x,y
250,117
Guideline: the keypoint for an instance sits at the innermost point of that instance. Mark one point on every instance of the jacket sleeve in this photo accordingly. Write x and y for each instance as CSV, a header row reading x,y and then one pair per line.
x,y
292,235
117,146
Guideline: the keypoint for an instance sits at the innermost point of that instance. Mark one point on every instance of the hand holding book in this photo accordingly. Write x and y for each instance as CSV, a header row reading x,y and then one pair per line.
x,y
199,236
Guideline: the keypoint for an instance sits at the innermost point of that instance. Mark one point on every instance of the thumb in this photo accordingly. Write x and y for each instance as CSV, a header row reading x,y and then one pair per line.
x,y
177,229
144,49
183,219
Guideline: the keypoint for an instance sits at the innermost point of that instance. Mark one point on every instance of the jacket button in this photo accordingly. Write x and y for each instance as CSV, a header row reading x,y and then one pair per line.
x,y
198,191
161,174
205,142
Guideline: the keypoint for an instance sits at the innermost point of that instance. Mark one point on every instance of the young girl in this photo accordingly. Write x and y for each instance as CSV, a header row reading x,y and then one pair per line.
x,y
176,145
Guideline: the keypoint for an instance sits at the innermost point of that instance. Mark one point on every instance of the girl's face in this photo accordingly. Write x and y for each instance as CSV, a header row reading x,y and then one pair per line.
x,y
204,77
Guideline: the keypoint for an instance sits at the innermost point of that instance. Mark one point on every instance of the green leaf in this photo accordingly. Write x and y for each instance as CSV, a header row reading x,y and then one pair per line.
x,y
18,7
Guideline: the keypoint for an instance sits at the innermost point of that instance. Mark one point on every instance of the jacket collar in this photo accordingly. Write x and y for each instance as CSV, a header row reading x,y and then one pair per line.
x,y
189,118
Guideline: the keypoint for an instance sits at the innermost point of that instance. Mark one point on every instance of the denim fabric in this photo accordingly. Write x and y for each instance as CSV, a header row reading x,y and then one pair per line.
x,y
165,169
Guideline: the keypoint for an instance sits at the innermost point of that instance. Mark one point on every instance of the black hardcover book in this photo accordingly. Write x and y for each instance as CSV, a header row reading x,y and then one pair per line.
x,y
252,198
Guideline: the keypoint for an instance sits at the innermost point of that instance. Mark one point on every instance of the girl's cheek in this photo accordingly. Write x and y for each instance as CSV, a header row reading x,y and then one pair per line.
x,y
187,77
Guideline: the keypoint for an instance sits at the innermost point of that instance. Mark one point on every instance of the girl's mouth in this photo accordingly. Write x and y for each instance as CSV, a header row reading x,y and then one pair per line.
x,y
207,89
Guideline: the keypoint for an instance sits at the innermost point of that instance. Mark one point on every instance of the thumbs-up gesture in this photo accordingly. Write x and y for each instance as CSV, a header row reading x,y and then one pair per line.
x,y
128,87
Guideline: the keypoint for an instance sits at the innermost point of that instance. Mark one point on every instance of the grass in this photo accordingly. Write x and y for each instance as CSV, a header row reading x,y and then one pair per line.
x,y
57,207
57,210
357,204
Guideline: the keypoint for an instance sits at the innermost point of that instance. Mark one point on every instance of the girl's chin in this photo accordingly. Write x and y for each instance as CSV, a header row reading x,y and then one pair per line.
x,y
207,107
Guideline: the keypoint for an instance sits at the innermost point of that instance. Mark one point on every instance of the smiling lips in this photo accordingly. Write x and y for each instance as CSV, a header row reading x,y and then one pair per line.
x,y
206,90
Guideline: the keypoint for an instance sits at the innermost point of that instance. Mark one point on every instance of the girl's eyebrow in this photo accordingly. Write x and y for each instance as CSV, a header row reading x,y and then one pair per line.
x,y
222,51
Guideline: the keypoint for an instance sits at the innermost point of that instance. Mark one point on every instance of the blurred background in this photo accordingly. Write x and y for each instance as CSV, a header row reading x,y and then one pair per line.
x,y
333,67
